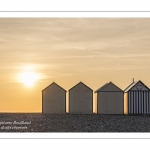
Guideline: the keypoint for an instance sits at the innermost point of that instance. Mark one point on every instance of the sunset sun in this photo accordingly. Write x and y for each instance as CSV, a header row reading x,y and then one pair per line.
x,y
29,78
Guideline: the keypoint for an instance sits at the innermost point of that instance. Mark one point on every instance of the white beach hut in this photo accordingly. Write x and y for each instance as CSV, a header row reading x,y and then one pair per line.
x,y
80,99
109,99
54,99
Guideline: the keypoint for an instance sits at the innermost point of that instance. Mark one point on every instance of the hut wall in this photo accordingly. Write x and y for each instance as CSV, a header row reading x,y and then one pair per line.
x,y
110,103
81,100
138,102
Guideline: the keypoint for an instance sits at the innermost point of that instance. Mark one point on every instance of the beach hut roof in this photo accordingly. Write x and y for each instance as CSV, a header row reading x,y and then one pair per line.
x,y
133,84
55,84
105,86
78,84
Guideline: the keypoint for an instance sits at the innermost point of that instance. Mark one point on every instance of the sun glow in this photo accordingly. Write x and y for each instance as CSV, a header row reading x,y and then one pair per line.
x,y
28,78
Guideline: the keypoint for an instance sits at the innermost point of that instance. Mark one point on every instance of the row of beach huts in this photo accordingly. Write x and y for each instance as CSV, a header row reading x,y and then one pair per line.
x,y
109,99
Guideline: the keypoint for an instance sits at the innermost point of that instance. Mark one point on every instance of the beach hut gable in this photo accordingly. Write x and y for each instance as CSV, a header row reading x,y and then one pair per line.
x,y
80,83
109,87
53,84
136,86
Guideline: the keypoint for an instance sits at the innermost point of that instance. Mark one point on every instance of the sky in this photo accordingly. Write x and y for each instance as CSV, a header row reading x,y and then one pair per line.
x,y
67,51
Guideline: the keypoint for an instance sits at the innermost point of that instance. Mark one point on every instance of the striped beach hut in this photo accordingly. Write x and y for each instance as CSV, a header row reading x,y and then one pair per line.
x,y
80,99
136,98
54,99
109,99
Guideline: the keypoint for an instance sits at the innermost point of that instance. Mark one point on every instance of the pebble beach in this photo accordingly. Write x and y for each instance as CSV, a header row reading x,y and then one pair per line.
x,y
38,122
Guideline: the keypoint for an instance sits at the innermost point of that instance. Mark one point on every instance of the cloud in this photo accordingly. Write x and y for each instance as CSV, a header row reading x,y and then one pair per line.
x,y
79,44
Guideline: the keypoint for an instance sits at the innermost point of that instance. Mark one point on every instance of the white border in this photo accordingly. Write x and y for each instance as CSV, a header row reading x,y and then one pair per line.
x,y
74,14
74,5
67,5
89,135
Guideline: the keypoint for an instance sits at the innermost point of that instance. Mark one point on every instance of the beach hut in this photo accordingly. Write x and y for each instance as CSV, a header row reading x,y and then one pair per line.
x,y
80,99
136,98
109,99
54,99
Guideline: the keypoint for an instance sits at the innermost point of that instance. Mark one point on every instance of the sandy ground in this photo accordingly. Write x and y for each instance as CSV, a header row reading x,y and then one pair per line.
x,y
37,122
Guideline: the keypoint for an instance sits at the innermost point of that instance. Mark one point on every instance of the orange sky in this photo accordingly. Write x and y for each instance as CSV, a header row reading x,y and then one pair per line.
x,y
69,50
